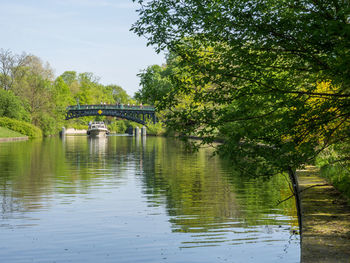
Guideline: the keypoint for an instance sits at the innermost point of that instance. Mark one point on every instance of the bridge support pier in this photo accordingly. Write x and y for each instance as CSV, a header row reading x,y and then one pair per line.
x,y
137,131
143,131
130,130
154,119
63,132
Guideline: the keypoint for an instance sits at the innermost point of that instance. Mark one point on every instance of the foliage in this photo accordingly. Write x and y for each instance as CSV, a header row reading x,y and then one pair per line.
x,y
11,106
334,163
61,97
271,78
119,95
22,127
155,84
118,126
76,124
34,89
156,129
339,176
48,124
86,89
29,91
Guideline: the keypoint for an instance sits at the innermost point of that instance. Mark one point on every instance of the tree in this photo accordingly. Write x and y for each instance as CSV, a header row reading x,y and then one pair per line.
x,y
118,93
11,106
69,77
86,88
61,98
10,65
29,91
27,84
35,89
270,77
155,84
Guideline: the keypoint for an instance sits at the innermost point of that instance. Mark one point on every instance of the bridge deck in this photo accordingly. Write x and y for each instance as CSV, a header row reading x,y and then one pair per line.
x,y
111,107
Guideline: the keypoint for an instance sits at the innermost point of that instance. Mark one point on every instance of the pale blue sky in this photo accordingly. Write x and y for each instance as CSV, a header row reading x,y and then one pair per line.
x,y
81,35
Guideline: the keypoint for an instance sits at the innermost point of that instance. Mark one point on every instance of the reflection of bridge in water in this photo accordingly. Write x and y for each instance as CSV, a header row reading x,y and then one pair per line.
x,y
139,114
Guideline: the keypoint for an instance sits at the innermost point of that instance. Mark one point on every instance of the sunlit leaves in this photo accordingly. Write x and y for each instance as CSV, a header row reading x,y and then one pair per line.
x,y
255,73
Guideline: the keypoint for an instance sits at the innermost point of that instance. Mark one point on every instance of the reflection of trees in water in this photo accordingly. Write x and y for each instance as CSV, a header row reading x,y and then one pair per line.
x,y
32,171
27,174
197,190
196,195
95,158
203,192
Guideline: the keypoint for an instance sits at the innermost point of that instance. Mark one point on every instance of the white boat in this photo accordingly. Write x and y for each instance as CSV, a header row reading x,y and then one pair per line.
x,y
97,129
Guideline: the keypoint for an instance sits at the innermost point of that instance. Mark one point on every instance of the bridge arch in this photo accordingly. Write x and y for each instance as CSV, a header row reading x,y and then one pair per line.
x,y
138,114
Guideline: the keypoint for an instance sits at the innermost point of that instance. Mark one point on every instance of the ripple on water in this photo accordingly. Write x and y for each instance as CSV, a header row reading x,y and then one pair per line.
x,y
128,200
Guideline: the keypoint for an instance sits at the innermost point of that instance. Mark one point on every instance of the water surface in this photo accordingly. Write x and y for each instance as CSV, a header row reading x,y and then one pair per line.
x,y
126,199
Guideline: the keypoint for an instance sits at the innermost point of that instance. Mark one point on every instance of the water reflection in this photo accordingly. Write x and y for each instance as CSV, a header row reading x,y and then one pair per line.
x,y
97,146
209,201
129,192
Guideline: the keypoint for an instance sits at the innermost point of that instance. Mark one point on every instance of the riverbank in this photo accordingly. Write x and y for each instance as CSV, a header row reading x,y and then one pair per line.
x,y
325,220
14,139
73,131
7,135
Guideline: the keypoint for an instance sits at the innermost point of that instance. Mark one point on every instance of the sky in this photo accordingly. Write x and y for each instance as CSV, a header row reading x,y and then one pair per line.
x,y
80,35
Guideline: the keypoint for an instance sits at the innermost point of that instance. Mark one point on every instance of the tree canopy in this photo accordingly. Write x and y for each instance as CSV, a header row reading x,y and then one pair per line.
x,y
29,91
155,84
270,77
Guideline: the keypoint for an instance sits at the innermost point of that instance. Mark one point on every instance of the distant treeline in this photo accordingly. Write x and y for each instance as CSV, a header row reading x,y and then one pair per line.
x,y
30,92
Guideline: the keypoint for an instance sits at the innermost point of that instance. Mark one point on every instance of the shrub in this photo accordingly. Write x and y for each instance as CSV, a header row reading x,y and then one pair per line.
x,y
22,127
156,129
48,124
335,166
11,106
118,126
339,176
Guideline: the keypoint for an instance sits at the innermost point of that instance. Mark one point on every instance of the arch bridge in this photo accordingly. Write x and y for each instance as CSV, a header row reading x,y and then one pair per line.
x,y
139,114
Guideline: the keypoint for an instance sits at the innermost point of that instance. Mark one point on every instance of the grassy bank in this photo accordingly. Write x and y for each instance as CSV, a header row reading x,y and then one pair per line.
x,y
334,164
7,133
339,176
21,127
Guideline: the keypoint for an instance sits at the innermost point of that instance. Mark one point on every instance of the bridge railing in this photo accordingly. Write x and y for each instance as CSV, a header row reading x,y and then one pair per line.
x,y
110,107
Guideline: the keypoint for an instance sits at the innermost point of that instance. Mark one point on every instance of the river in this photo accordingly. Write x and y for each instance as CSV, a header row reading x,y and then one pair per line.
x,y
126,199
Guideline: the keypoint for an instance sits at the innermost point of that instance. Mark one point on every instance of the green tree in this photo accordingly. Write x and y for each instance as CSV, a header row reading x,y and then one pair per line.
x,y
11,106
30,92
35,89
155,84
271,78
118,93
69,77
62,95
61,98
